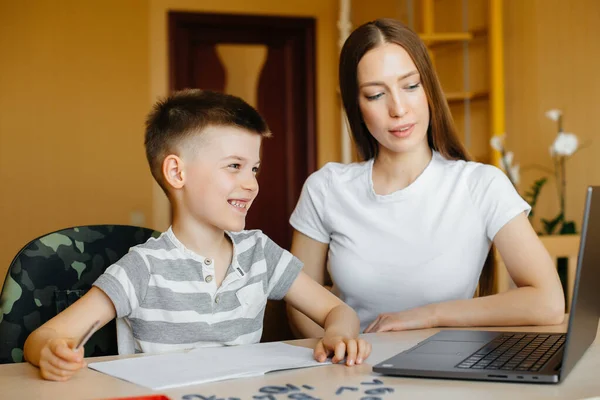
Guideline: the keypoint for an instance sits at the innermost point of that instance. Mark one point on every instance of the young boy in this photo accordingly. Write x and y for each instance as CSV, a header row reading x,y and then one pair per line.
x,y
205,281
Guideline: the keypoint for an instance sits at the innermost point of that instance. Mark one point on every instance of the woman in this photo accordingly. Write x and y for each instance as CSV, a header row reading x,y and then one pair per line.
x,y
408,232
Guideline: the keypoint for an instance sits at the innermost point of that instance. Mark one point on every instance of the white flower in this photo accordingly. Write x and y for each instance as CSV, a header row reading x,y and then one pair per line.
x,y
515,174
554,114
496,142
508,158
565,144
511,170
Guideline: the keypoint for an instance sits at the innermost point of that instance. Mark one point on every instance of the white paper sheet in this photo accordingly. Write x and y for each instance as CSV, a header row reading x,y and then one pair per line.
x,y
204,365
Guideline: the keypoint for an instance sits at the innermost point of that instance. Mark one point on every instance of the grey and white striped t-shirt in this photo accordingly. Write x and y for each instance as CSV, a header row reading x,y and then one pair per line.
x,y
166,298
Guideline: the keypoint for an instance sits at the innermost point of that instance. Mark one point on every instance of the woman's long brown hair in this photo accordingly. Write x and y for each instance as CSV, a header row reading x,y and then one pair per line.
x,y
441,133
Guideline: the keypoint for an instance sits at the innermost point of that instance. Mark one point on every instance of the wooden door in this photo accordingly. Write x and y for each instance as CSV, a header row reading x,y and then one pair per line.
x,y
201,51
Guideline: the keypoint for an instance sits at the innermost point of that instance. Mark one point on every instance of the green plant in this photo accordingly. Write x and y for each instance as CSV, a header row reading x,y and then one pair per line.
x,y
563,147
531,196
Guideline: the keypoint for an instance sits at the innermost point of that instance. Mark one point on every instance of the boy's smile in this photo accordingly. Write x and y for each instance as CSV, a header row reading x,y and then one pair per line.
x,y
220,168
242,205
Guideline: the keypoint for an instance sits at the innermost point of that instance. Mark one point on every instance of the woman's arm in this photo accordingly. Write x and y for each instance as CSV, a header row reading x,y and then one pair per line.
x,y
314,256
537,300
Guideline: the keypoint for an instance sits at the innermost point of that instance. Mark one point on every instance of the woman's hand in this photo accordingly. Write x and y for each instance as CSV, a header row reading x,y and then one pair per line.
x,y
416,318
355,350
59,361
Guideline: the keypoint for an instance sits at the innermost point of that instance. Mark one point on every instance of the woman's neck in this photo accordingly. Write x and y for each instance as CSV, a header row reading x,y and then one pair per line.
x,y
203,239
396,171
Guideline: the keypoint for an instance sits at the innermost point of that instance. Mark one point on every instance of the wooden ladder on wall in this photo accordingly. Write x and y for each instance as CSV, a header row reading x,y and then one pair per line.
x,y
477,101
477,104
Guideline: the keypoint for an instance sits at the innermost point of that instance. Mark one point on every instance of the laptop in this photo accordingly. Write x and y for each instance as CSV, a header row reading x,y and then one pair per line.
x,y
517,356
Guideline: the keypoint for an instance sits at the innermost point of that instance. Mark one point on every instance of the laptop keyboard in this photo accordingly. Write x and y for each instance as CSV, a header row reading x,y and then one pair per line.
x,y
515,352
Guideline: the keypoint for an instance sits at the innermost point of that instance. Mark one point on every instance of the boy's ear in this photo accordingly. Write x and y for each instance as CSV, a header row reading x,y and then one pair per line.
x,y
172,169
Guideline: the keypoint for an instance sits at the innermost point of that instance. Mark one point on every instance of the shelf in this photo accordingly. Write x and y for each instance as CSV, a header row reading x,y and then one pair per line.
x,y
461,96
445,37
460,53
437,39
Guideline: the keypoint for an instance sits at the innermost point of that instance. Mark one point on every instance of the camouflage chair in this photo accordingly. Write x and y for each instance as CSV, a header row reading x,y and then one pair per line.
x,y
51,272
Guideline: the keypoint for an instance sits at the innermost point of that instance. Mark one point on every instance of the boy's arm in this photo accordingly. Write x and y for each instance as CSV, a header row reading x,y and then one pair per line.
x,y
313,255
340,322
69,326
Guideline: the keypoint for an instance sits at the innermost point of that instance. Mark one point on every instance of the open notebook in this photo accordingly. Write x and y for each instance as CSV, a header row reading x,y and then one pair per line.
x,y
204,365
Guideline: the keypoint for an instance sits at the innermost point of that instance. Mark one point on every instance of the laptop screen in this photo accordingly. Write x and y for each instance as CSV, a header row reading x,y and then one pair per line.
x,y
585,308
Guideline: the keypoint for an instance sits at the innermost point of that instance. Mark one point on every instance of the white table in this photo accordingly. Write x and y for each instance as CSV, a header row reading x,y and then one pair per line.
x,y
22,381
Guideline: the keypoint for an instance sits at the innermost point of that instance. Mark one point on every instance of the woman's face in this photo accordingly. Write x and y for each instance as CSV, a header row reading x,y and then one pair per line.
x,y
392,100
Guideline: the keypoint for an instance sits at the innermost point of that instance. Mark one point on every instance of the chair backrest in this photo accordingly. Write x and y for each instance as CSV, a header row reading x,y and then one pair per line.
x,y
558,246
51,272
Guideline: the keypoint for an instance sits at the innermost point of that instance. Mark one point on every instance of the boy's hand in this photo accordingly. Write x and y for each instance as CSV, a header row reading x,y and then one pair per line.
x,y
58,360
354,350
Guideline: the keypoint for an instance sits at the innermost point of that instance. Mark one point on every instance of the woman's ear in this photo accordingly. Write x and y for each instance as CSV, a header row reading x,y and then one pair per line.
x,y
173,171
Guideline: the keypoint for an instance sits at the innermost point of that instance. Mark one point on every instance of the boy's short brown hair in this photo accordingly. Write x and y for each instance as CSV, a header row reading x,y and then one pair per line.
x,y
186,113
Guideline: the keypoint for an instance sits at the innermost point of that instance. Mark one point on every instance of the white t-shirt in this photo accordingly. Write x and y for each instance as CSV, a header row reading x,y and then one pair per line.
x,y
423,244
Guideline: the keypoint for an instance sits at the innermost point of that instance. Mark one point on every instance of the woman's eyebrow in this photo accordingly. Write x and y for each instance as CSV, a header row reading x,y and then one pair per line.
x,y
378,83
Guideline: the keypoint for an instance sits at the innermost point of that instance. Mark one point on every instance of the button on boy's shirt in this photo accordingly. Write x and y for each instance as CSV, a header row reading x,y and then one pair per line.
x,y
166,297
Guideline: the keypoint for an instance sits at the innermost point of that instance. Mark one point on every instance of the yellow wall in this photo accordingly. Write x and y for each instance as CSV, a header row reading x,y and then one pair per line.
x,y
365,11
73,93
552,61
77,78
76,81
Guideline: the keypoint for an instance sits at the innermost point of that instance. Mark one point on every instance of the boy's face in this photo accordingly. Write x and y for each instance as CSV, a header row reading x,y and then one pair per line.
x,y
220,176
